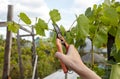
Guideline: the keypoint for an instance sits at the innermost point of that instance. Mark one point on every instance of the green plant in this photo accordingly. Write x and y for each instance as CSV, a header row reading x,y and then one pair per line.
x,y
96,23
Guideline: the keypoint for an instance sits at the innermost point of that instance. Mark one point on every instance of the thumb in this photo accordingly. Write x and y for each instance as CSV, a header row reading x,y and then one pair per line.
x,y
60,56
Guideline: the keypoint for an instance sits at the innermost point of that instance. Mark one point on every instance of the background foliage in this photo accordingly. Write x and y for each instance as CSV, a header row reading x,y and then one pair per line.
x,y
47,63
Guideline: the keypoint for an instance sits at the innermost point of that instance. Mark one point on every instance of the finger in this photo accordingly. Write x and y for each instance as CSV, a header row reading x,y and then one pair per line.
x,y
59,45
62,57
59,55
71,49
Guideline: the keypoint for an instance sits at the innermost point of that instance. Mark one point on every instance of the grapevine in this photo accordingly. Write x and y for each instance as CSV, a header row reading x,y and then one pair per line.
x,y
96,23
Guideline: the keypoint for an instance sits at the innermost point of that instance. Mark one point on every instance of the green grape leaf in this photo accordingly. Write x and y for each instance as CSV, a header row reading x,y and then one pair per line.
x,y
73,32
92,31
94,6
99,9
113,31
79,42
115,71
40,27
12,26
110,16
115,53
39,31
54,15
24,18
62,30
117,39
88,12
82,26
105,20
107,2
42,24
54,37
118,9
101,36
78,78
69,38
113,1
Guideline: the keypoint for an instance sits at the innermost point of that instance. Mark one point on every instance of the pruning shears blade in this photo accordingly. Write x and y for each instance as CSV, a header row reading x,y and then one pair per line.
x,y
57,29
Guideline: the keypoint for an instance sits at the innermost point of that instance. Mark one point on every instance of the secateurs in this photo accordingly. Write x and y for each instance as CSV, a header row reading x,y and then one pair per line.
x,y
64,43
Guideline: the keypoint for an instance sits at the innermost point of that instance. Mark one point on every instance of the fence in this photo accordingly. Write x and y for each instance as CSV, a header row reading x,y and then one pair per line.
x,y
8,46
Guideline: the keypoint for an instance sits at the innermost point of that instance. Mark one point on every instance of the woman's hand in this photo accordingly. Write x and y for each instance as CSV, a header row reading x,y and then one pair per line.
x,y
73,60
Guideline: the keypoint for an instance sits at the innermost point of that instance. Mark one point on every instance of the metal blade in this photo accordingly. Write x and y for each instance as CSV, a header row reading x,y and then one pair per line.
x,y
57,29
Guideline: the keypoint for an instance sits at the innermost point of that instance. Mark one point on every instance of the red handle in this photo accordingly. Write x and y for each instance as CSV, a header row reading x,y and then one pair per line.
x,y
59,47
66,46
62,64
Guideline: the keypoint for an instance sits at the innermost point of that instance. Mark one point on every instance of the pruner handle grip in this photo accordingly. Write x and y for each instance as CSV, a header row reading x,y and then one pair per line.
x,y
64,67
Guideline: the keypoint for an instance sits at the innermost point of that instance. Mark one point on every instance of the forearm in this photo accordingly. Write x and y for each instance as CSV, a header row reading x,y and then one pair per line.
x,y
85,72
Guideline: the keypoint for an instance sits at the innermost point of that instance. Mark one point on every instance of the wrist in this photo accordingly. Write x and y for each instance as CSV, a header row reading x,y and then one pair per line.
x,y
86,73
80,68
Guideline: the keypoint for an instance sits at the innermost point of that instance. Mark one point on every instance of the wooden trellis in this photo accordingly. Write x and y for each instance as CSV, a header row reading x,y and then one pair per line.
x,y
8,46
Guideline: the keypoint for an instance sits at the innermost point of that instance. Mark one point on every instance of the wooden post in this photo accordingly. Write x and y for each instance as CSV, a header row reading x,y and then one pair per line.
x,y
3,24
19,56
35,66
8,45
33,39
34,53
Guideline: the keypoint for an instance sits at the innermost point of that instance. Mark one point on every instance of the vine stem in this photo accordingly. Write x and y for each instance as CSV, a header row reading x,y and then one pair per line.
x,y
48,21
92,56
19,21
72,24
51,30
